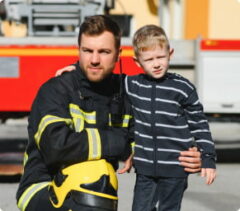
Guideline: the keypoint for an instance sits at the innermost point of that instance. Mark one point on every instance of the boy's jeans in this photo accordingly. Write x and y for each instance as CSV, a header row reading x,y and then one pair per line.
x,y
167,191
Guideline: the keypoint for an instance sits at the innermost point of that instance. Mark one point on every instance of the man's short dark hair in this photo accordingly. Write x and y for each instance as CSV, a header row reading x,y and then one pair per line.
x,y
96,25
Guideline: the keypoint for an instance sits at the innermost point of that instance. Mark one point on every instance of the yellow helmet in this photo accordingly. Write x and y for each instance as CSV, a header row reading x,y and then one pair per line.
x,y
94,178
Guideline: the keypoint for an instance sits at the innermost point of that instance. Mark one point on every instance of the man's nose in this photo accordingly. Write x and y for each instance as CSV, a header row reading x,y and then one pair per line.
x,y
95,59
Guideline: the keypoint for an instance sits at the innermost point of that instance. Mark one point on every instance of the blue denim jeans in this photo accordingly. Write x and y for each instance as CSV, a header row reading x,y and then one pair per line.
x,y
166,192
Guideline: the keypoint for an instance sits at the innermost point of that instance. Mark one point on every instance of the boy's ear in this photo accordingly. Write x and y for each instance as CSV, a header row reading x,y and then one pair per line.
x,y
171,51
136,61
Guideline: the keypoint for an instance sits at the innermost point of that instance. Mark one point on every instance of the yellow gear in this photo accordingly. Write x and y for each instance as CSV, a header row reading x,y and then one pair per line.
x,y
78,175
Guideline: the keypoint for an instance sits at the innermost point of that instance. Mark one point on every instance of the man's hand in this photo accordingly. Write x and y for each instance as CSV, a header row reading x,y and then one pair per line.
x,y
191,160
65,69
127,165
210,175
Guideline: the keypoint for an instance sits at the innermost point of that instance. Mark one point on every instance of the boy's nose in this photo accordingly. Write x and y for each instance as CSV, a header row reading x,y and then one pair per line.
x,y
156,64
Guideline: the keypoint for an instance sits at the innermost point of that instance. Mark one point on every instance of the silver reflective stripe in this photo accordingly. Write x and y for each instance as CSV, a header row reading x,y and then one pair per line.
x,y
78,127
45,121
76,112
29,193
94,143
124,123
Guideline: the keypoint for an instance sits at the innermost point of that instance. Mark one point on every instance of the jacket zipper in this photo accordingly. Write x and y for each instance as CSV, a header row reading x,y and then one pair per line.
x,y
153,108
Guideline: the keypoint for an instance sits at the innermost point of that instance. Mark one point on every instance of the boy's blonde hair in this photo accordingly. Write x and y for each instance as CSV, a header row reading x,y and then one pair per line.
x,y
148,37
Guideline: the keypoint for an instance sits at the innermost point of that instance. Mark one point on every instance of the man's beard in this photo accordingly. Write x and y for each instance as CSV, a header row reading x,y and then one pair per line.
x,y
96,77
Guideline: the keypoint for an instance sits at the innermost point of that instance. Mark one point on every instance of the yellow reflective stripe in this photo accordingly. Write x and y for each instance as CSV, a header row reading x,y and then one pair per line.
x,y
94,143
25,158
133,147
29,193
89,117
124,123
45,121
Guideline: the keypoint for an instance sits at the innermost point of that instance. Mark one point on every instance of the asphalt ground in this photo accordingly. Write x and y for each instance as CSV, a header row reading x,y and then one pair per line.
x,y
222,195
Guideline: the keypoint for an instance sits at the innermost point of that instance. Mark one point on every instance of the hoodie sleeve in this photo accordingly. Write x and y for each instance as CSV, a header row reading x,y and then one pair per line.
x,y
199,129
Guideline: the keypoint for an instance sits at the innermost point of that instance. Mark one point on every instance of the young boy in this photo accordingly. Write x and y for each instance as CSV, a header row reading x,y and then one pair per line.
x,y
168,119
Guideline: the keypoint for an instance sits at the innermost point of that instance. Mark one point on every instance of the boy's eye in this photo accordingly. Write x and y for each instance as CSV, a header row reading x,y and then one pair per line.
x,y
149,59
161,57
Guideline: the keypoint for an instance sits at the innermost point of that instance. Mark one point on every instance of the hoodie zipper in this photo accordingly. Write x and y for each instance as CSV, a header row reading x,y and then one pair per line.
x,y
153,108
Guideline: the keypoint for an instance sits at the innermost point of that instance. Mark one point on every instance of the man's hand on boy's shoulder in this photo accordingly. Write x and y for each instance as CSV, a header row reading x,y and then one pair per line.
x,y
191,160
65,69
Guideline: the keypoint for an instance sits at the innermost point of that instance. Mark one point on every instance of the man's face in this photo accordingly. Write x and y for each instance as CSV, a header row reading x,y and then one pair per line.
x,y
155,61
98,55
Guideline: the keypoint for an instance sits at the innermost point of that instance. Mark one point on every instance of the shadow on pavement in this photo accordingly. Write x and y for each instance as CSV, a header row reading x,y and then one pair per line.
x,y
10,179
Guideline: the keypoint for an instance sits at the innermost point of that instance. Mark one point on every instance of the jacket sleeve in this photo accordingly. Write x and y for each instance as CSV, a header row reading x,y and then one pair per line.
x,y
199,128
52,128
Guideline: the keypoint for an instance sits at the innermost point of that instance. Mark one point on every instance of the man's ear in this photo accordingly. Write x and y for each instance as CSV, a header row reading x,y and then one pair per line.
x,y
119,54
136,61
171,52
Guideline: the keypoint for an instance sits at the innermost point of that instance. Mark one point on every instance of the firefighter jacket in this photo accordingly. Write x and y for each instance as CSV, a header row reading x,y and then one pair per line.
x,y
73,120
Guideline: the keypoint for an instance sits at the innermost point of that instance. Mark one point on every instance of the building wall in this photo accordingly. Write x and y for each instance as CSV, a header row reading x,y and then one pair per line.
x,y
196,18
214,19
224,19
143,11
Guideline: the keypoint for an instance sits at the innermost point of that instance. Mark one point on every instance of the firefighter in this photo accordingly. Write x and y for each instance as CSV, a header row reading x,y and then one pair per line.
x,y
80,126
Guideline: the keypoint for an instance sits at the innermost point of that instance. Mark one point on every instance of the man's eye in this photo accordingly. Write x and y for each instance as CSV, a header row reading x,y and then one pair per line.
x,y
104,52
86,50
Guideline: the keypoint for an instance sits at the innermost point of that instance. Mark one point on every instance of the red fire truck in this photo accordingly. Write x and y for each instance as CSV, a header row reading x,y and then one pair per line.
x,y
28,62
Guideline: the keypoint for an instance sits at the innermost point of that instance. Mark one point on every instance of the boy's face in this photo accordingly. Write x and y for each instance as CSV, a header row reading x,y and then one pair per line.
x,y
154,61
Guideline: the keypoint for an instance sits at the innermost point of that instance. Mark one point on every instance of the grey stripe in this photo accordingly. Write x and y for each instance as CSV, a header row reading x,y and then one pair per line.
x,y
184,83
141,85
193,112
168,162
166,113
171,126
144,148
143,159
141,110
205,141
174,138
168,150
132,94
197,102
143,135
200,131
142,123
173,89
167,101
139,97
194,122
